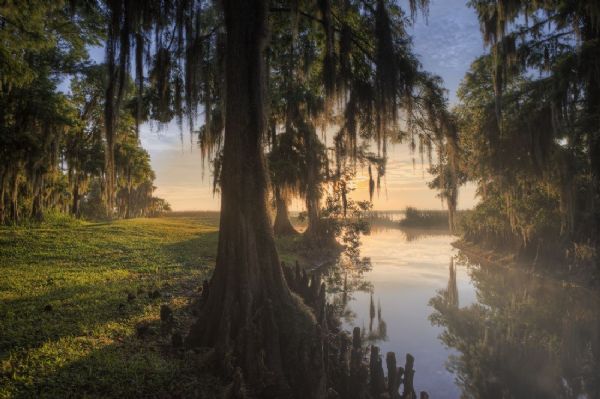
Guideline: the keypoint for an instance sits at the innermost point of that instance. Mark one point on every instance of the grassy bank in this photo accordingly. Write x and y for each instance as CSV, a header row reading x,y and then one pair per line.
x,y
80,307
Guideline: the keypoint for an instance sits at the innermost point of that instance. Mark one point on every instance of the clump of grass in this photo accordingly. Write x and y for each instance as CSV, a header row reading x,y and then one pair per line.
x,y
424,218
382,219
59,219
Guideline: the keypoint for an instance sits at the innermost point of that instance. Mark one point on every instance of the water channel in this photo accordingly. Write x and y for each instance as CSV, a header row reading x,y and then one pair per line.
x,y
476,332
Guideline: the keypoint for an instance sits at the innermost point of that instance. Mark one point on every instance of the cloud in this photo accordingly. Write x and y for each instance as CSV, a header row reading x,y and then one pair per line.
x,y
156,137
448,41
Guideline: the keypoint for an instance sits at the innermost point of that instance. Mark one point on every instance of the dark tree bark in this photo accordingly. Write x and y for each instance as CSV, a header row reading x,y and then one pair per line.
x,y
590,34
37,204
4,200
2,194
14,192
128,204
75,205
250,316
314,232
282,225
318,233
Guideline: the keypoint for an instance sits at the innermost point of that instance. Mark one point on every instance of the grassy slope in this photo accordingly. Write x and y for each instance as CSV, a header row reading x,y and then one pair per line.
x,y
87,345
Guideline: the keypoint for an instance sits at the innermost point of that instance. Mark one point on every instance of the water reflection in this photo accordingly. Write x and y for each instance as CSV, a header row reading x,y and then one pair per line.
x,y
523,337
344,279
451,293
413,234
378,332
494,333
386,294
410,233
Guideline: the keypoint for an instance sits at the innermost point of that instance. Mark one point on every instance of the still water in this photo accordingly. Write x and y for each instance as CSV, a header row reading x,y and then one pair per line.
x,y
475,332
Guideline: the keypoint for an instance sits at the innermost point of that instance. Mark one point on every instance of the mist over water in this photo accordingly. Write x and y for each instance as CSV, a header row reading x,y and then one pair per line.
x,y
478,331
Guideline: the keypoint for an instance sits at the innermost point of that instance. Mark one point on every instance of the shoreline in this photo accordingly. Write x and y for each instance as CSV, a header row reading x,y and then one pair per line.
x,y
490,257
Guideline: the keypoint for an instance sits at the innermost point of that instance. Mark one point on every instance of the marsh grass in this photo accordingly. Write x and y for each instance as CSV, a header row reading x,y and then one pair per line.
x,y
69,326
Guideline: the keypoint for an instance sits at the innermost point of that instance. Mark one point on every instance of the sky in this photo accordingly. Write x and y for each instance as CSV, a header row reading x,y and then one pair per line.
x,y
446,43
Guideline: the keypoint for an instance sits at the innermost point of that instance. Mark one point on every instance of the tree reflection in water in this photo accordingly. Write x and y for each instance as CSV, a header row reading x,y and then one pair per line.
x,y
379,333
525,337
412,233
344,279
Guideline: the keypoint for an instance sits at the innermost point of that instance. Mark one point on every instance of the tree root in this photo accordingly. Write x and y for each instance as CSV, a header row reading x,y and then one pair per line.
x,y
301,352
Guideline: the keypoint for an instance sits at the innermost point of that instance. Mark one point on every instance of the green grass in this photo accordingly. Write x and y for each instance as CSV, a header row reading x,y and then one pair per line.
x,y
87,345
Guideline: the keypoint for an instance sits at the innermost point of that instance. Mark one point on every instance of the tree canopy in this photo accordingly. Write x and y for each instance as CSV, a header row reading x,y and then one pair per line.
x,y
52,141
528,123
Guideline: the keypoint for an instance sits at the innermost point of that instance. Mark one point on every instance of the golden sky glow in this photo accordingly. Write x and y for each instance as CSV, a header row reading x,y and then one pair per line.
x,y
446,44
180,180
406,185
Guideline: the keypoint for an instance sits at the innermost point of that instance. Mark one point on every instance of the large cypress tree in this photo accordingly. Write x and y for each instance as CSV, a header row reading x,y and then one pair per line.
x,y
250,312
362,69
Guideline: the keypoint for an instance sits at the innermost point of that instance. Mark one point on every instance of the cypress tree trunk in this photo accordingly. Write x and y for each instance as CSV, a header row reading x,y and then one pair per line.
x,y
2,195
37,207
128,204
282,225
590,34
14,193
39,186
111,108
75,205
314,232
110,181
318,233
250,316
